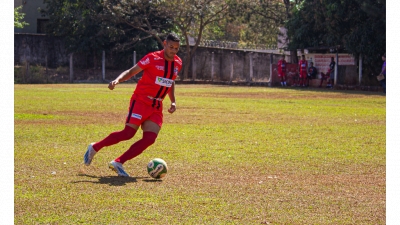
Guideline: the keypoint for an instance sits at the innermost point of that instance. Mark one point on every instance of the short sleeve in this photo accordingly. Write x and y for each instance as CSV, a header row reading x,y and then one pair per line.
x,y
144,62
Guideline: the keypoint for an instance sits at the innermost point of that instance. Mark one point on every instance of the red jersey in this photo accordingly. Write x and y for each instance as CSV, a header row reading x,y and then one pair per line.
x,y
158,77
282,66
303,64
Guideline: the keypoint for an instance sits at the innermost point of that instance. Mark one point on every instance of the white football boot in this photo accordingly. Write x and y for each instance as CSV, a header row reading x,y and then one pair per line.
x,y
118,168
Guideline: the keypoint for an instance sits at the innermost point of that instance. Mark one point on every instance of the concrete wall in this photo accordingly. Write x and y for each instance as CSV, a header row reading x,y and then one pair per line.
x,y
34,48
229,65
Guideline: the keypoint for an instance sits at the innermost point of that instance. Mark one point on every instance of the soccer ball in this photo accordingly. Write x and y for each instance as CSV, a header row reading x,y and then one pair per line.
x,y
157,168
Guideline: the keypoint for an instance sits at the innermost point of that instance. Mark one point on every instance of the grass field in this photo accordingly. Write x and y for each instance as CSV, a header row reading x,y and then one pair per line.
x,y
236,155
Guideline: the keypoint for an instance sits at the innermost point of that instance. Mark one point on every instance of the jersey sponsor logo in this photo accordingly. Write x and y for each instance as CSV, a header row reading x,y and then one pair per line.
x,y
176,71
160,68
164,81
145,61
136,116
303,65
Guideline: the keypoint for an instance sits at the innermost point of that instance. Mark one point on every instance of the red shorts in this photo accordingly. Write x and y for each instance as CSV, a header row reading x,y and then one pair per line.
x,y
140,112
303,74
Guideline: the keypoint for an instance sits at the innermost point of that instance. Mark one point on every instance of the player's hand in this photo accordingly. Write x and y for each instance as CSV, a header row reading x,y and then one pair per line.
x,y
112,84
172,108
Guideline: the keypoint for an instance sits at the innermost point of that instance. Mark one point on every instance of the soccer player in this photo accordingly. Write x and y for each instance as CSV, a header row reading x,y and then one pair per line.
x,y
282,70
332,73
303,70
160,69
312,73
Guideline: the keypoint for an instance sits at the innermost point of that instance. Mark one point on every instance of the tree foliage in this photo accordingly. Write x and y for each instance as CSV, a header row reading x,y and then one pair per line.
x,y
149,18
78,22
18,17
192,17
260,19
91,26
250,23
358,26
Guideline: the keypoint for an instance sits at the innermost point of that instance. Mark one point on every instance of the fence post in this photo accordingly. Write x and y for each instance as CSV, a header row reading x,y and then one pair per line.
x,y
194,67
360,69
336,68
134,57
231,77
47,75
270,69
71,67
212,66
27,72
251,66
103,65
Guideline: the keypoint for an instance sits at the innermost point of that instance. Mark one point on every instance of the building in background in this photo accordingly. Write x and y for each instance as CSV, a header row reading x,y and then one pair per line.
x,y
37,20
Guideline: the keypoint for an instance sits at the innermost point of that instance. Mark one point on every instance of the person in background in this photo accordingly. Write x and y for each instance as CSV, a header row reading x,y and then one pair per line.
x,y
303,64
383,72
332,73
312,73
282,70
325,76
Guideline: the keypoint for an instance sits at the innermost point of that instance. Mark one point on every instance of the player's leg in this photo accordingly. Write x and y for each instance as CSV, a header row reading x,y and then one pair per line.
x,y
127,133
301,80
383,84
150,133
151,126
328,82
284,79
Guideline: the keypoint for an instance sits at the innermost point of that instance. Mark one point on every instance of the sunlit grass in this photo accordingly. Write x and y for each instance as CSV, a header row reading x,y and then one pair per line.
x,y
237,155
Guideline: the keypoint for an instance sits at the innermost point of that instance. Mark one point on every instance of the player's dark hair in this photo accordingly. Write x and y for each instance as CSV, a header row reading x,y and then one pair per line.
x,y
172,37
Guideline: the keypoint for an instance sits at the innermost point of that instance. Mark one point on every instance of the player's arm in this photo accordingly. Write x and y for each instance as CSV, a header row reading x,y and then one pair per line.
x,y
383,70
124,76
171,95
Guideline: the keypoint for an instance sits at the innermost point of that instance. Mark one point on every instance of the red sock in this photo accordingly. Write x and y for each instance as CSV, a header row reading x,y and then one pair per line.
x,y
116,137
138,147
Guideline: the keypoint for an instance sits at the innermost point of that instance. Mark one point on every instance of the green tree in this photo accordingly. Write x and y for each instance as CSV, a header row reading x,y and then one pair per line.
x,y
251,23
261,20
192,18
91,26
359,26
78,22
148,18
18,17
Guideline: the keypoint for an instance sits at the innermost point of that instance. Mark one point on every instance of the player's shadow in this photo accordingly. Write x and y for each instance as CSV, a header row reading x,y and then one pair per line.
x,y
151,180
110,180
115,180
